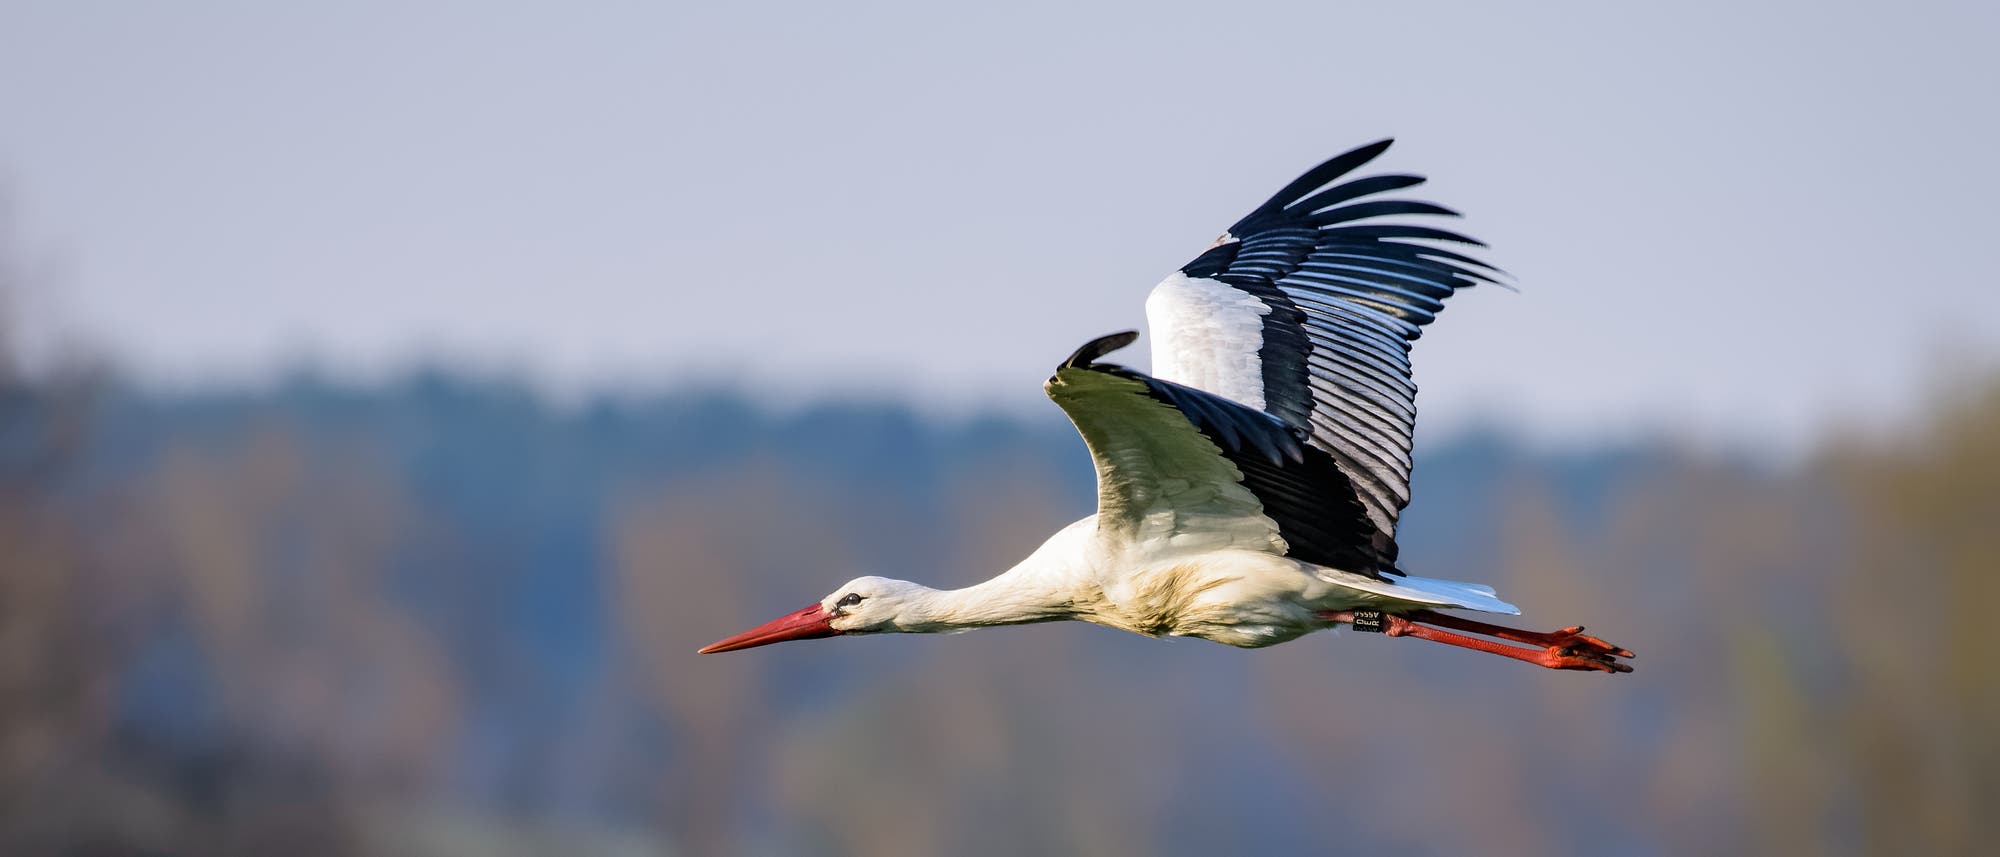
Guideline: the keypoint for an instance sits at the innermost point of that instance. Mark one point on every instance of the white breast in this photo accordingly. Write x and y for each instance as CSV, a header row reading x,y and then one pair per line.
x,y
1236,597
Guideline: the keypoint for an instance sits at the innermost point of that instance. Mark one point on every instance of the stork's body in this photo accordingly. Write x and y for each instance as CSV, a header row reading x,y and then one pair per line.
x,y
1248,493
1244,598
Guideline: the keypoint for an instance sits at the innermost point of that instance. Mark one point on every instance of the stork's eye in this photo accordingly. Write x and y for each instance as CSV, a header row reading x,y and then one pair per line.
x,y
848,600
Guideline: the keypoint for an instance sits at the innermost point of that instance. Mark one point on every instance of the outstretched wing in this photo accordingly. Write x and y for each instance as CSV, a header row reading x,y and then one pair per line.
x,y
1193,470
1306,308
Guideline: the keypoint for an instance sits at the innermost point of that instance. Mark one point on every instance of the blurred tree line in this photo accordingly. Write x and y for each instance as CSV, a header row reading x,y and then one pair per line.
x,y
443,616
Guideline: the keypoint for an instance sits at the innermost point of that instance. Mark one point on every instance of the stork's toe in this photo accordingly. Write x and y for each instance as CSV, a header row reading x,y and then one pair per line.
x,y
1575,657
1573,638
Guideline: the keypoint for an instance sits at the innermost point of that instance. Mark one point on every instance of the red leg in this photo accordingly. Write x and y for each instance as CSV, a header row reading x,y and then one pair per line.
x,y
1570,637
1566,649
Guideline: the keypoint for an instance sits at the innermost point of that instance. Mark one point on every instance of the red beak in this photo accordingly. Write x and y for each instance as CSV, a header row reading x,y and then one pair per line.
x,y
811,623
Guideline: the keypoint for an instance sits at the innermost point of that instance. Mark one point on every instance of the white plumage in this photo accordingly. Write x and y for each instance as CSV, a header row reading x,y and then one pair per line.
x,y
1206,335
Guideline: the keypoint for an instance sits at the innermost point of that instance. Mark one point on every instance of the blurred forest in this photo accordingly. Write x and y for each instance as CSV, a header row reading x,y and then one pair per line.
x,y
443,616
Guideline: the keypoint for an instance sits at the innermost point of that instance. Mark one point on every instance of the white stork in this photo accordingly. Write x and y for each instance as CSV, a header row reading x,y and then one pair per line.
x,y
1247,493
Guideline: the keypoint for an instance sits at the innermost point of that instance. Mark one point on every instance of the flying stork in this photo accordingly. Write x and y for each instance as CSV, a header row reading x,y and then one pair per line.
x,y
1248,490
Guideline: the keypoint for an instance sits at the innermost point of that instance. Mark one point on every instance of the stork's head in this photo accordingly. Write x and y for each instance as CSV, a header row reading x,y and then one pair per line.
x,y
864,605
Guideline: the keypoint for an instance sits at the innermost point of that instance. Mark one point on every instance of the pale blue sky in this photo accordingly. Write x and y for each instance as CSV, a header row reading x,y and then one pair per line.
x,y
1729,220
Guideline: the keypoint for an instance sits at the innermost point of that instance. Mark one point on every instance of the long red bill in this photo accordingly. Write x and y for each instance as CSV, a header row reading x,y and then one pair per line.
x,y
808,624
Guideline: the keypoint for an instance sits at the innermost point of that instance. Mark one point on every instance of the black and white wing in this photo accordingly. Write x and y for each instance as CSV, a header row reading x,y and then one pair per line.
x,y
1305,310
1181,469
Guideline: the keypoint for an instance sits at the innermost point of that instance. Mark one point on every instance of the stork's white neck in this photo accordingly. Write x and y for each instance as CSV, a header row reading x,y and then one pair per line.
x,y
1053,584
1010,599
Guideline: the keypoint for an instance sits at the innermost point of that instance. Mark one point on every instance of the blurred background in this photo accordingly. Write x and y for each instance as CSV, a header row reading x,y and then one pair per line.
x,y
393,397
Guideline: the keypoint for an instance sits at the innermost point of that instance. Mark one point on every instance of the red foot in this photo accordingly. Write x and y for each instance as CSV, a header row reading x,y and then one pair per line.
x,y
1572,658
1567,649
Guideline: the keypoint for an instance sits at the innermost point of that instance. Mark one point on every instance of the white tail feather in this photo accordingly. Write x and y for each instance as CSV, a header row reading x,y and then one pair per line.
x,y
1432,591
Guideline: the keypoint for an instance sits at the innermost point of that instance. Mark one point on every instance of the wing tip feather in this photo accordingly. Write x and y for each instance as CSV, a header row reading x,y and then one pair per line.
x,y
1086,356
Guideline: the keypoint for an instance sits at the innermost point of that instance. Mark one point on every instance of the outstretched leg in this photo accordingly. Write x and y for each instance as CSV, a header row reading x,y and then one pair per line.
x,y
1567,649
